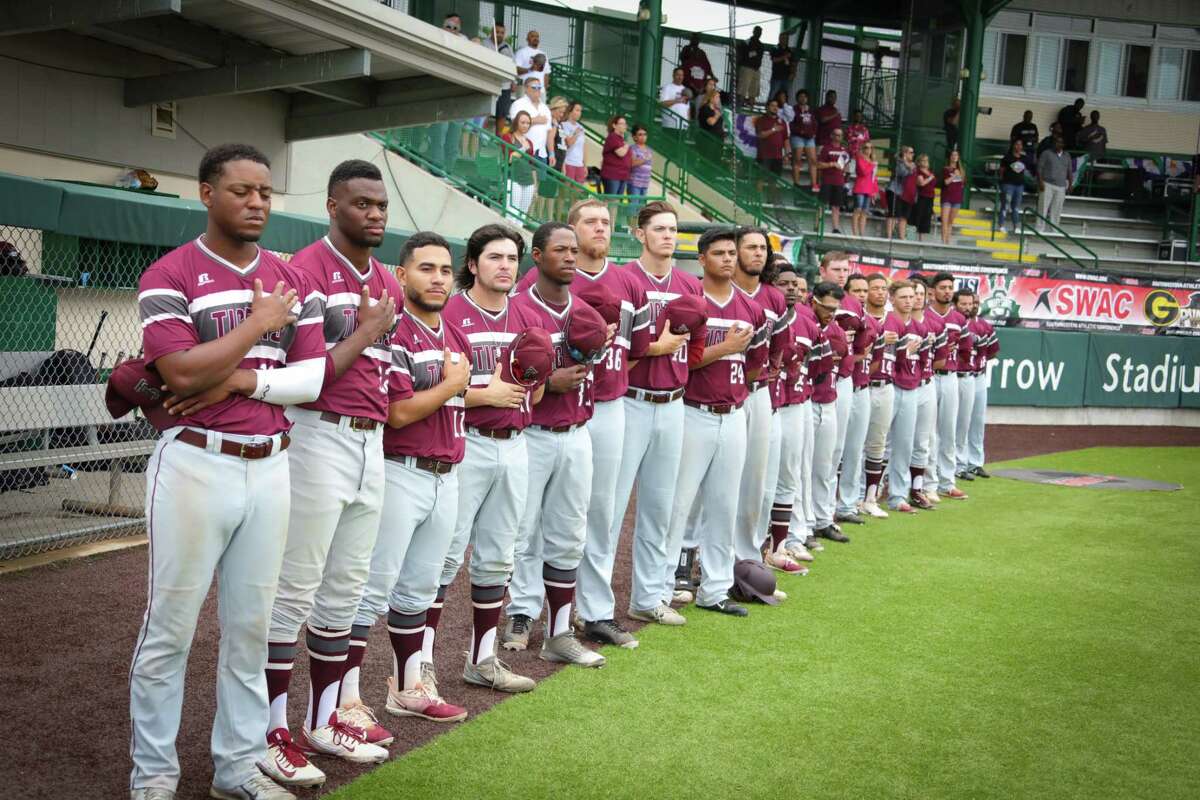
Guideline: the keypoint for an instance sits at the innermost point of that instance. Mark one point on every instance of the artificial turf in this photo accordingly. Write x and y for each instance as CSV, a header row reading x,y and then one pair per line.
x,y
1031,642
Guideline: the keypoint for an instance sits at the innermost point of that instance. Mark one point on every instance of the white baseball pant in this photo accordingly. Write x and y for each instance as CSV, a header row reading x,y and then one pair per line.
x,y
845,403
857,426
966,407
714,450
774,453
594,591
750,527
926,422
492,482
947,423
824,468
555,521
903,435
975,456
206,512
794,485
882,400
650,455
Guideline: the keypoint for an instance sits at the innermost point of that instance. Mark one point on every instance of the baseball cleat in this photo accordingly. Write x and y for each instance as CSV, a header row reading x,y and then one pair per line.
x,y
851,518
964,476
429,677
153,793
918,500
814,544
492,673
681,597
782,562
363,716
516,632
904,508
663,614
796,551
566,649
932,496
957,494
419,701
832,534
609,631
727,607
980,472
260,787
286,764
343,741
874,510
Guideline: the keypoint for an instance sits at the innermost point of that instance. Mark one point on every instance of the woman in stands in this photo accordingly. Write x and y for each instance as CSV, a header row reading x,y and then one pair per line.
x,y
866,187
617,159
643,158
953,181
573,137
520,166
898,207
925,185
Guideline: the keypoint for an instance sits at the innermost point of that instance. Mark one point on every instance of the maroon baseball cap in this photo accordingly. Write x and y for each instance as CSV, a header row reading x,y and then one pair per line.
x,y
601,298
132,385
587,333
753,580
529,358
685,313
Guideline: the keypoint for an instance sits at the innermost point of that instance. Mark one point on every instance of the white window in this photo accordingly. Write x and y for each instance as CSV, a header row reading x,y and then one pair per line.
x,y
1177,72
1004,58
1122,70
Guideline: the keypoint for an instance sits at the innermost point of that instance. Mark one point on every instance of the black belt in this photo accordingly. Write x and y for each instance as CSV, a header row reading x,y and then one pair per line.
x,y
560,428
654,396
356,423
421,463
713,408
879,384
965,374
496,433
925,381
943,372
247,450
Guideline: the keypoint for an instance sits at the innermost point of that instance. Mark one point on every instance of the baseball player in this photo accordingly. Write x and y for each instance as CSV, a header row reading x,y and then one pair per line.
x,y
935,327
494,474
715,430
926,398
552,531
793,488
945,368
654,419
964,302
906,380
826,299
217,496
336,483
987,346
422,447
883,361
850,486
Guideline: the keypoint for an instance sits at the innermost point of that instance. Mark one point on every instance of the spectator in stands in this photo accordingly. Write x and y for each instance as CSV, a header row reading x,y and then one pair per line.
x,y
539,116
540,68
898,208
1071,119
453,22
829,118
950,124
833,161
1027,131
556,145
574,138
673,100
642,160
772,138
1054,180
804,139
866,187
857,134
1048,142
749,64
783,67
520,181
925,185
712,124
1093,137
954,182
617,158
696,69
497,41
524,56
1012,183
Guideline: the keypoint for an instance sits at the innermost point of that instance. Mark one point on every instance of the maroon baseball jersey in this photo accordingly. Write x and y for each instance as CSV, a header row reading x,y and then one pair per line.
x,y
567,408
937,326
362,389
987,344
908,365
191,296
824,372
775,331
850,316
489,335
417,358
952,323
925,354
883,357
805,338
966,348
724,380
864,341
667,372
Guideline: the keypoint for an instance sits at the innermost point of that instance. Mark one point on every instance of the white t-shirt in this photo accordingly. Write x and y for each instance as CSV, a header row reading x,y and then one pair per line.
x,y
574,152
669,92
787,114
524,59
537,133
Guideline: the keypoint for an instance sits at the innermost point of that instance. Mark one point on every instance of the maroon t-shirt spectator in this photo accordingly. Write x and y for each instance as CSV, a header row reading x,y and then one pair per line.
x,y
770,146
952,185
418,353
612,166
928,189
909,195
829,119
833,176
804,124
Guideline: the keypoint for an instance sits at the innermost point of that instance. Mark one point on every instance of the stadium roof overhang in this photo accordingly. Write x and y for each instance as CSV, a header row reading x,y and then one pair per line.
x,y
876,13
348,65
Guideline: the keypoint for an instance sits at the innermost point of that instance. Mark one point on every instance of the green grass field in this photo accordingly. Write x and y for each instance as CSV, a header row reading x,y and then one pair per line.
x,y
1034,641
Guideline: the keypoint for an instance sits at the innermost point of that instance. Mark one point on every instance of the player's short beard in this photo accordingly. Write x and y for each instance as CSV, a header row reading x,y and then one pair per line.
x,y
423,304
751,270
593,251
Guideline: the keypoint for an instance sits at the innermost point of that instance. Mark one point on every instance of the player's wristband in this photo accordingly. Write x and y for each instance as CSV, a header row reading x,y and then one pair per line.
x,y
298,383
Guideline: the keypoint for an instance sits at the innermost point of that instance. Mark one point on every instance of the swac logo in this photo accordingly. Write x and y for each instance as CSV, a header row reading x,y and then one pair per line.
x,y
1162,308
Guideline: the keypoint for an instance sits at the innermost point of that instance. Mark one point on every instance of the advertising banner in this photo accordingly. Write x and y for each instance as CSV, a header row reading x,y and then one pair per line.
x,y
1035,368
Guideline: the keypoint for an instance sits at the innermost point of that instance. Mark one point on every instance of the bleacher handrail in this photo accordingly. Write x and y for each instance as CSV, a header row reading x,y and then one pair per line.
x,y
1025,227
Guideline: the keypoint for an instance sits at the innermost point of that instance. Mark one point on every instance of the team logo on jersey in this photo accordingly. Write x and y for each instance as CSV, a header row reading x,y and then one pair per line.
x,y
337,278
204,280
467,323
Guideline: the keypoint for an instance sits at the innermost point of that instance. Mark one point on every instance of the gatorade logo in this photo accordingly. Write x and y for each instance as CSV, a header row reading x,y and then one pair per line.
x,y
1162,308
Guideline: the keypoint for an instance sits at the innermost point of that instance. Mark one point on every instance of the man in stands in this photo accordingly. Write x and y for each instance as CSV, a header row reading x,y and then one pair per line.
x,y
1093,137
749,64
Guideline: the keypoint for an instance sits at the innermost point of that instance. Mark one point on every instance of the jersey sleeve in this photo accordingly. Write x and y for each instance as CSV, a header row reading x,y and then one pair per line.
x,y
309,342
761,341
639,336
400,382
167,325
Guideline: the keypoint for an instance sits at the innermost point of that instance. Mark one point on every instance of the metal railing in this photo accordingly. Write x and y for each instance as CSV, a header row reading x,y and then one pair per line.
x,y
1024,216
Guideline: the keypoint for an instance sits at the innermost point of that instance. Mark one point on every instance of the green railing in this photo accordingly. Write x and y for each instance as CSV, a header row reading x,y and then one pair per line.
x,y
521,188
1026,228
687,155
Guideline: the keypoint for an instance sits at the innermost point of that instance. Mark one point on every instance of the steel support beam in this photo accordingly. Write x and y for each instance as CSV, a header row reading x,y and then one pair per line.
x,y
277,73
28,16
649,57
968,116
336,122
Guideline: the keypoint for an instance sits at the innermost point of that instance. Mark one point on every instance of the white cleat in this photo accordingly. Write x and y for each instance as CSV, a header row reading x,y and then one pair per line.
x,y
260,787
343,741
874,510
286,764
